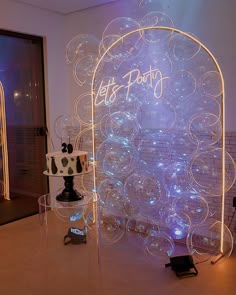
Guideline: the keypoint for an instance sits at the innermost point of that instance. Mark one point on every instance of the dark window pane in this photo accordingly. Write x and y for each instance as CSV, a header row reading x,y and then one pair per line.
x,y
21,74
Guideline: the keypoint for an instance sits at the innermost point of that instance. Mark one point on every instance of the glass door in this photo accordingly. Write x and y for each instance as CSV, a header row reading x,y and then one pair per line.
x,y
21,74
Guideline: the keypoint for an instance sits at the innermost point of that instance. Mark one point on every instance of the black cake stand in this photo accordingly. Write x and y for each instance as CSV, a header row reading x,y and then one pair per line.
x,y
69,194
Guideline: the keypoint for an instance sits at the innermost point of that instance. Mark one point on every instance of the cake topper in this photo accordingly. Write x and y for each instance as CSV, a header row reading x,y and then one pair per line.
x,y
67,148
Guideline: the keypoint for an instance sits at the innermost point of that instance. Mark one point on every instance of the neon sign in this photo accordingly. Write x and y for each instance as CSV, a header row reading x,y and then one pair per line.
x,y
107,92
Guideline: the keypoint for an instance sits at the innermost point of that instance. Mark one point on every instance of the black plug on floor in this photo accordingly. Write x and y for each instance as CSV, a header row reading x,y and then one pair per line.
x,y
234,202
183,266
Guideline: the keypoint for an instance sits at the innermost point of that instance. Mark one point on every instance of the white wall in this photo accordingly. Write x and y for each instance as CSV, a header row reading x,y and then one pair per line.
x,y
212,21
26,19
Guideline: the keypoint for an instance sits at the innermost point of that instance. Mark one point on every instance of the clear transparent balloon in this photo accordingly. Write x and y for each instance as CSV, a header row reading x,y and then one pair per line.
x,y
205,128
146,6
80,46
181,85
67,126
196,105
120,26
116,156
130,104
122,124
177,178
154,19
199,65
206,170
182,48
138,227
160,246
111,195
84,69
211,84
83,108
84,140
177,225
154,146
193,205
182,148
205,240
142,192
159,61
112,34
112,227
158,116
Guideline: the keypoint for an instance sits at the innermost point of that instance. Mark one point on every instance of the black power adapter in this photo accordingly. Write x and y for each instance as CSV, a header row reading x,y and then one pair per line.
x,y
183,266
234,202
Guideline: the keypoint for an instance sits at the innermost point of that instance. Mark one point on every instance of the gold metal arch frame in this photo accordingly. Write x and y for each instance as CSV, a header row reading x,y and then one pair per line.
x,y
172,30
3,130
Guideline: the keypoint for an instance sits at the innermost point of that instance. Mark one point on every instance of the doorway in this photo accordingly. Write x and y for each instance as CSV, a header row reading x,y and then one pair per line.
x,y
22,77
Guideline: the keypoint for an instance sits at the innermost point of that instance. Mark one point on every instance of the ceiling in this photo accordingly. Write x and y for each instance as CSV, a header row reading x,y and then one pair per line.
x,y
64,6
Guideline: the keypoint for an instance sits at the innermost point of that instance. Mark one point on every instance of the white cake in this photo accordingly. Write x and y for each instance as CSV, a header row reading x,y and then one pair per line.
x,y
65,164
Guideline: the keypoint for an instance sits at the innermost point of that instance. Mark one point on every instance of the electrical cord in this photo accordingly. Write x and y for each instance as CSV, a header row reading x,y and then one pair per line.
x,y
203,261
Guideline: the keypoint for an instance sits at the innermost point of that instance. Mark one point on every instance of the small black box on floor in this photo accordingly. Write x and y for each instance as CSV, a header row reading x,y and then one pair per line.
x,y
183,266
75,236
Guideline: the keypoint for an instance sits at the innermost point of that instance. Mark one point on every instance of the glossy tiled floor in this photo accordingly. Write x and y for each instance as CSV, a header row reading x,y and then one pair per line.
x,y
34,261
18,207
